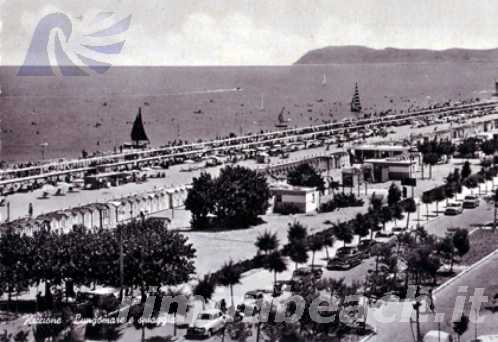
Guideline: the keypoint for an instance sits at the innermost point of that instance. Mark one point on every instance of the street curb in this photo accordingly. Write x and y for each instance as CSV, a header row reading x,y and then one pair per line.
x,y
468,269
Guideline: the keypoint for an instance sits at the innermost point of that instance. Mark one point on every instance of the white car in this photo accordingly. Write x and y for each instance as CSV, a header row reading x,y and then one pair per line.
x,y
453,208
437,336
208,322
254,299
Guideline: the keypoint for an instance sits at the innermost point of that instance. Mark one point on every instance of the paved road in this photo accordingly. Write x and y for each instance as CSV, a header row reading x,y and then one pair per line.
x,y
484,276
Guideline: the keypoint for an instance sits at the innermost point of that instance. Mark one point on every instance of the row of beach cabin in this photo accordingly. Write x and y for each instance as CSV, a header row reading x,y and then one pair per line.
x,y
103,215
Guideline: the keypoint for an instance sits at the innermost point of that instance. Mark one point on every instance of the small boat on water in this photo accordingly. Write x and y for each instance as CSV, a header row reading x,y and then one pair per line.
x,y
262,103
138,135
324,80
282,122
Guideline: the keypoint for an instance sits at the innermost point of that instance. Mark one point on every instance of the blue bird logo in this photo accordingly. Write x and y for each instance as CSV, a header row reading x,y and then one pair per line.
x,y
55,45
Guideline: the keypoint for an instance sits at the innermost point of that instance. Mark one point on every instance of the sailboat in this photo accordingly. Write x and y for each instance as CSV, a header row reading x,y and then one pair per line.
x,y
282,123
138,135
262,103
355,102
324,80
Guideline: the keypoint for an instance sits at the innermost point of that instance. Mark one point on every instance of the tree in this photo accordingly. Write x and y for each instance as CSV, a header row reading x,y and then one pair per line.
x,y
328,241
205,288
305,175
461,326
385,215
431,159
461,241
361,226
397,212
297,251
200,200
149,250
229,276
343,232
410,207
267,242
241,195
373,220
446,249
494,200
375,202
488,147
466,170
394,195
296,232
439,195
236,197
275,263
468,147
470,183
315,244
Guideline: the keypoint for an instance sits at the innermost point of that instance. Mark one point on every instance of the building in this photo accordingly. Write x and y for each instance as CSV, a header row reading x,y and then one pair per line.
x,y
388,169
103,215
306,199
352,177
362,152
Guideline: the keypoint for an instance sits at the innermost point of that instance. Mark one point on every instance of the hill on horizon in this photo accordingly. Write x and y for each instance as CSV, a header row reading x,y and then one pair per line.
x,y
364,55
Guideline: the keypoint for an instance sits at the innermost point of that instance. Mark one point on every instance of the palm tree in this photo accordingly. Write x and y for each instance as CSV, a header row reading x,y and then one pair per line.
x,y
315,244
229,276
298,252
410,207
205,288
343,232
296,232
385,215
275,263
328,241
267,242
427,199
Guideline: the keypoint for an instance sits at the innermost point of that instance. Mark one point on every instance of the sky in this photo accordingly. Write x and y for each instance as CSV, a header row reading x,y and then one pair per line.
x,y
252,32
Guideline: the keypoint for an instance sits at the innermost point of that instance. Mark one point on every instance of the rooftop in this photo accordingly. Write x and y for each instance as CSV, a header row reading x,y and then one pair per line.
x,y
288,187
382,148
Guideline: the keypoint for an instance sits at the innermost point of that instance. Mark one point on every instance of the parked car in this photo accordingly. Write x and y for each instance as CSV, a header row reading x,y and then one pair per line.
x,y
437,336
398,230
253,300
208,322
343,263
307,271
365,246
453,208
349,252
384,234
470,202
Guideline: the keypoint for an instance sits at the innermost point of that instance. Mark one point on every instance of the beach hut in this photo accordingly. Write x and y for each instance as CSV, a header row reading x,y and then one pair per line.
x,y
163,199
305,199
103,215
127,208
154,202
114,215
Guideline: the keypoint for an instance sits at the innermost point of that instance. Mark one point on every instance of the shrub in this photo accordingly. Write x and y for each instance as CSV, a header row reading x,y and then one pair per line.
x,y
287,209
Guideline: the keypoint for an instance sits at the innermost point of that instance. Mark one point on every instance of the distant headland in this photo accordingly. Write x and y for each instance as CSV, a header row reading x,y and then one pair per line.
x,y
364,55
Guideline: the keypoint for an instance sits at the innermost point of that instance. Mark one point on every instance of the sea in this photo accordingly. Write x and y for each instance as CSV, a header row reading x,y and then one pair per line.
x,y
95,113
